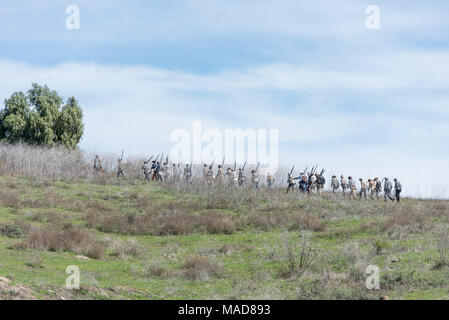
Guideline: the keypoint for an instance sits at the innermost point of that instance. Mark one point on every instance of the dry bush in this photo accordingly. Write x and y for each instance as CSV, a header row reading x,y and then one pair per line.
x,y
197,267
307,222
124,249
413,219
74,239
296,258
10,199
160,224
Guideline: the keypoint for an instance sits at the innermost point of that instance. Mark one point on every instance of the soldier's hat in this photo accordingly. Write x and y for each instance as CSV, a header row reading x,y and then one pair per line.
x,y
333,176
386,178
349,177
341,176
395,179
205,165
360,179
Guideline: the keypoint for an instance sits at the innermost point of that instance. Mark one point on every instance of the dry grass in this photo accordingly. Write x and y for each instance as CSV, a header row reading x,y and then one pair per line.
x,y
74,239
197,267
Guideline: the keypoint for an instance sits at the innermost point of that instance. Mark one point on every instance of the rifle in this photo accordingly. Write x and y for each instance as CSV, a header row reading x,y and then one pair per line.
x,y
122,155
222,163
235,165
291,171
149,159
212,163
155,160
166,160
305,170
257,167
322,171
244,165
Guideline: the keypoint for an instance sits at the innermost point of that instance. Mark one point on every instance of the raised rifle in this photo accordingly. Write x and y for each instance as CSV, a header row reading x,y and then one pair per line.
x,y
121,158
235,165
244,165
257,167
222,163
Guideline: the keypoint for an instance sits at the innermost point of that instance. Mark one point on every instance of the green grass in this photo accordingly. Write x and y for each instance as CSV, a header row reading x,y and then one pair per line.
x,y
250,260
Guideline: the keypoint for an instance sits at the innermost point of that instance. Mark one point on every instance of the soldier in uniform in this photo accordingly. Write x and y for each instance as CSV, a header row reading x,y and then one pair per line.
x,y
254,179
188,173
241,178
210,175
372,188
363,188
97,164
387,189
303,182
378,187
270,181
344,185
120,169
152,169
157,172
204,173
334,184
312,184
146,170
397,189
291,183
220,176
230,177
175,172
352,187
320,182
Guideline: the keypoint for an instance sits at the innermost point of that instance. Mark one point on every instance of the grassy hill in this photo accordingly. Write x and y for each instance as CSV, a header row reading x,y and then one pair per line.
x,y
136,240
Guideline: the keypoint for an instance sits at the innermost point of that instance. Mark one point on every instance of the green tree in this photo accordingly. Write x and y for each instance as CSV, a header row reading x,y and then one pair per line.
x,y
41,118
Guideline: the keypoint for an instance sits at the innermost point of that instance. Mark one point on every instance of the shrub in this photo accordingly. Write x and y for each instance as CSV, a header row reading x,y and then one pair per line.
x,y
197,267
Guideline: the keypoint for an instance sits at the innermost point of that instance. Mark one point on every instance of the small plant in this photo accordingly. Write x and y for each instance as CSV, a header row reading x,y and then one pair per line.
x,y
197,267
296,263
442,248
379,246
11,231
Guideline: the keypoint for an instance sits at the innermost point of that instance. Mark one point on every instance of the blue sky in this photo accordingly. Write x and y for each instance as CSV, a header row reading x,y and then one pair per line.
x,y
361,102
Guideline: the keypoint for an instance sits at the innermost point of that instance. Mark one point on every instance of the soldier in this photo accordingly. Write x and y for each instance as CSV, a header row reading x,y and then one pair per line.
x,y
157,172
97,164
387,189
188,173
220,176
204,172
334,184
303,182
291,183
378,187
210,175
254,179
270,181
241,178
372,188
352,187
320,182
363,188
344,184
231,177
397,189
166,171
146,170
175,172
312,183
120,169
152,169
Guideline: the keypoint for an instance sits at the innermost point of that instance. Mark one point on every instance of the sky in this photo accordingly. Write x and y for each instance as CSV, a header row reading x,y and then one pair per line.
x,y
358,101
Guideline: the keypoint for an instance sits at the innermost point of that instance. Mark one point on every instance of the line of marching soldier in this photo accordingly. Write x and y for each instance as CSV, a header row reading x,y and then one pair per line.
x,y
372,186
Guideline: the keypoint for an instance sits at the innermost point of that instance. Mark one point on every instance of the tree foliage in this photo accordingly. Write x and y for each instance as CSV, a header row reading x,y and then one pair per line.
x,y
40,117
